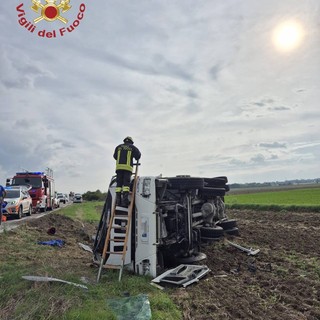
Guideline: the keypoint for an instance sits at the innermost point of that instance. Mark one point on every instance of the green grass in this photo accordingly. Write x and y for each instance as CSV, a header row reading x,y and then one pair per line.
x,y
21,299
296,199
86,211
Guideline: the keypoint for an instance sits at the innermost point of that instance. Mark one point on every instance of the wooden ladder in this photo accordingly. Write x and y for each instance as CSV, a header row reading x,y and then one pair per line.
x,y
122,215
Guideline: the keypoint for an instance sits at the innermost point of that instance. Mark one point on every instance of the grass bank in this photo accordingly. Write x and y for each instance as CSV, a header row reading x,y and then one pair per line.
x,y
20,255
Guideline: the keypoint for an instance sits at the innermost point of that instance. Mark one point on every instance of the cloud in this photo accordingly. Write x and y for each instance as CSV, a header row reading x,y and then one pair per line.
x,y
215,70
272,145
279,108
259,158
19,71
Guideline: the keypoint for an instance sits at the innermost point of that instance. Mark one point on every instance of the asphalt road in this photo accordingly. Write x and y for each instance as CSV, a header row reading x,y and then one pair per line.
x,y
13,223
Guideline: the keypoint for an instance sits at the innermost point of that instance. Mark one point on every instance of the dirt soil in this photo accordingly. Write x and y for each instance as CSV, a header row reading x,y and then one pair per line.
x,y
281,282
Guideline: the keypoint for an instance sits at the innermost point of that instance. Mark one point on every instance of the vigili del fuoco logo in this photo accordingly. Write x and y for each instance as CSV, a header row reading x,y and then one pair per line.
x,y
47,13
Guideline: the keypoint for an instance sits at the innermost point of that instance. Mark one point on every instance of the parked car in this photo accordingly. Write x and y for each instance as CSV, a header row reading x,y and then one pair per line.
x,y
17,202
77,198
61,197
66,197
56,201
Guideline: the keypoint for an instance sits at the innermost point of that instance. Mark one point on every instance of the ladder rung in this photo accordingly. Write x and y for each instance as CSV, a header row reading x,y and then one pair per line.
x,y
111,266
115,252
119,227
118,208
121,217
117,240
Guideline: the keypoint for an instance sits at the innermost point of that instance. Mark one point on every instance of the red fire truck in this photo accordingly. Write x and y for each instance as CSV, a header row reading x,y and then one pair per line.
x,y
43,188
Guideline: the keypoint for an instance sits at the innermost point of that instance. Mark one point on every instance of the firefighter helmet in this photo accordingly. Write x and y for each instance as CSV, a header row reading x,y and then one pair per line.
x,y
128,139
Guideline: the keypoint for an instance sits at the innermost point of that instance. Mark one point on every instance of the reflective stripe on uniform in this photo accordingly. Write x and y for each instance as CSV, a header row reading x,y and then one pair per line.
x,y
129,158
126,189
124,166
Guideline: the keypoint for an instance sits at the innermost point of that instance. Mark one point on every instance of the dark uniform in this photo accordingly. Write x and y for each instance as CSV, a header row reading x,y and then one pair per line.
x,y
124,154
2,195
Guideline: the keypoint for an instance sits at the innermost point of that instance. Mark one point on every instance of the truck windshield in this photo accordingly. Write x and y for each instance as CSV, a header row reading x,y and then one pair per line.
x,y
12,194
36,182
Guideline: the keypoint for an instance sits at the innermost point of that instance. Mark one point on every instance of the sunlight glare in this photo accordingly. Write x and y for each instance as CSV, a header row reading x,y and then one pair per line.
x,y
288,35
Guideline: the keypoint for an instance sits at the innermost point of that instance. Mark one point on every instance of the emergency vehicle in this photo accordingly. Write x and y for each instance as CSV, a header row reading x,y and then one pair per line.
x,y
43,187
17,201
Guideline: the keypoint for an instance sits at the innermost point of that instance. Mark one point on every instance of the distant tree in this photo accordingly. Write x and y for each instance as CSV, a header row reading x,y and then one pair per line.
x,y
94,196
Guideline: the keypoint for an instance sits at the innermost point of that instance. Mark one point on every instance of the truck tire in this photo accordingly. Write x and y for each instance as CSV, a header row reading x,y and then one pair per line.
x,y
211,232
185,183
213,192
218,182
227,224
232,232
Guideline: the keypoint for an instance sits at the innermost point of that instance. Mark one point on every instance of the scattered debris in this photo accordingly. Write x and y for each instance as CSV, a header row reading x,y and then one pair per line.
x,y
49,279
53,243
220,275
85,247
84,280
135,307
252,266
157,286
51,231
183,275
249,251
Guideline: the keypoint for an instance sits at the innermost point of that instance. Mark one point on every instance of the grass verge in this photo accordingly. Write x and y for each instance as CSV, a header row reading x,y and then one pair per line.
x,y
20,254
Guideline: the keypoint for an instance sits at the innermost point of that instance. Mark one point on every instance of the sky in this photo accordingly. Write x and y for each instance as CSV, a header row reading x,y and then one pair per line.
x,y
205,88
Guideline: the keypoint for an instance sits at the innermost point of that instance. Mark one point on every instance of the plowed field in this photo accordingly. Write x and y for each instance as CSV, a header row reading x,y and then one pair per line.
x,y
281,282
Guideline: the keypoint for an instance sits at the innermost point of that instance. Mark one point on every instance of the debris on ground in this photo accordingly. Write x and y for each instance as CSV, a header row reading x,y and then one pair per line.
x,y
249,251
53,243
51,231
128,308
85,247
49,279
183,275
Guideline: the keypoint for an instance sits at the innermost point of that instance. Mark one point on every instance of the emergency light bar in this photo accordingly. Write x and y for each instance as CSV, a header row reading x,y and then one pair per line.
x,y
35,173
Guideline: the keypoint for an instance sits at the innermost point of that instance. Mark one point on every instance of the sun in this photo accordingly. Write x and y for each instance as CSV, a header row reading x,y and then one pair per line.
x,y
288,35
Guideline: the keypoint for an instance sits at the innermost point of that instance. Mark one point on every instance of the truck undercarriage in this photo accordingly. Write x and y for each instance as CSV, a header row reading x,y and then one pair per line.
x,y
172,218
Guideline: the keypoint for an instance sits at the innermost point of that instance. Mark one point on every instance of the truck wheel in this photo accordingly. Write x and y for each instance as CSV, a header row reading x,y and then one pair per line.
x,y
232,232
211,232
217,182
213,192
29,211
20,213
227,224
185,183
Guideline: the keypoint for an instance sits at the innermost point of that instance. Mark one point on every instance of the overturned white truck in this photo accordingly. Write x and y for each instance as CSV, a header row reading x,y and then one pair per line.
x,y
171,218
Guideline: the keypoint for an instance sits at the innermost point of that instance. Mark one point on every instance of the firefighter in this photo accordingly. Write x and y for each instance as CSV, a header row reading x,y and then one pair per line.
x,y
124,154
2,196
